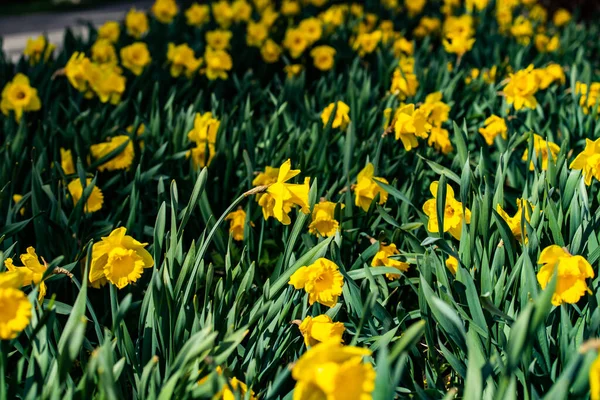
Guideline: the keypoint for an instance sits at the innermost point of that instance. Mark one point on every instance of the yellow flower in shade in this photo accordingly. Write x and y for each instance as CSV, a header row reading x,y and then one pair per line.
x,y
122,160
140,131
522,30
546,44
135,57
38,49
542,149
572,273
514,223
77,71
367,189
321,329
256,34
333,17
312,29
218,62
136,23
473,75
322,281
110,30
341,118
494,126
15,308
118,259
19,96
404,80
454,215
94,201
439,138
323,219
285,194
427,26
32,271
594,376
103,52
409,125
222,13
204,135
332,371
293,70
164,10
366,43
323,57
403,47
239,388
562,17
538,13
107,82
489,75
269,16
458,44
17,198
66,161
588,161
521,88
452,264
382,259
289,8
552,73
242,10
197,15
236,226
270,51
589,96
295,42
218,39
182,60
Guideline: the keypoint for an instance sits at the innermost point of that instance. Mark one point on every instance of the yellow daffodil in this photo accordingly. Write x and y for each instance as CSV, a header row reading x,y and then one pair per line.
x,y
293,70
38,49
19,96
543,149
414,7
494,126
404,80
182,60
106,81
437,111
588,161
322,281
136,23
572,273
197,15
17,198
312,29
284,194
366,189
15,308
403,48
94,201
204,135
218,39
222,13
256,34
382,259
103,52
410,124
522,30
270,51
118,259
239,388
321,329
439,138
521,88
32,271
341,118
66,161
236,226
110,30
323,57
332,371
218,63
561,17
77,71
454,214
550,74
594,377
122,160
366,43
295,42
323,219
546,44
589,96
164,10
135,57
514,223
452,264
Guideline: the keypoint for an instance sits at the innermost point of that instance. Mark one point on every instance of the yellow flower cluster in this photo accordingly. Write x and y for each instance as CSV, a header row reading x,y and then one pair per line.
x,y
103,80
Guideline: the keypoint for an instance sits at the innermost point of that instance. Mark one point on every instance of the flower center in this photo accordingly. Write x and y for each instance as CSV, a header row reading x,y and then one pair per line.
x,y
449,211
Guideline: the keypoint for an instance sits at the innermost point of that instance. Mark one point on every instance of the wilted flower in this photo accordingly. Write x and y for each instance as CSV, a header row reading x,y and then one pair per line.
x,y
332,371
236,226
118,259
122,160
135,57
572,273
32,271
367,189
454,214
323,219
494,126
543,149
382,259
94,201
321,329
341,118
322,281
19,96
16,309
136,23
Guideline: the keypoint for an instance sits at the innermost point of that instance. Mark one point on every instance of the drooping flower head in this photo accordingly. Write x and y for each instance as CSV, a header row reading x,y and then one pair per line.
x,y
572,273
118,259
322,281
382,259
454,215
